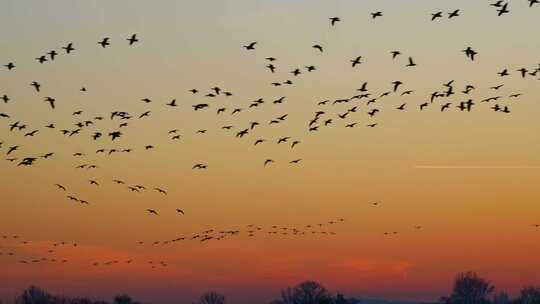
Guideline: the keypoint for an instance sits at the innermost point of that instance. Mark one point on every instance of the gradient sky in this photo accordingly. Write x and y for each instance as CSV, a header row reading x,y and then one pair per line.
x,y
470,179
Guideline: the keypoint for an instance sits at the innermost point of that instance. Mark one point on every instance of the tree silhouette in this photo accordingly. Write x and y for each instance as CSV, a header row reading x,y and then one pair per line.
x,y
309,292
212,297
35,295
469,288
529,295
123,299
501,298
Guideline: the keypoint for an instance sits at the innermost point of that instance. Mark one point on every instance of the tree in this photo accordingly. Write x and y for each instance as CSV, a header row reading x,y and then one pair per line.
x,y
123,299
529,295
501,298
309,292
212,297
469,288
35,295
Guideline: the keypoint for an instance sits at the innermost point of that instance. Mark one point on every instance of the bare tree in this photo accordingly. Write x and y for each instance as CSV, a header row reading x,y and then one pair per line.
x,y
35,295
469,288
212,297
309,292
529,295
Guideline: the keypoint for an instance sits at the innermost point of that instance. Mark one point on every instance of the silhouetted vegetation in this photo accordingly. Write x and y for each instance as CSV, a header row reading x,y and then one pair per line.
x,y
211,297
468,288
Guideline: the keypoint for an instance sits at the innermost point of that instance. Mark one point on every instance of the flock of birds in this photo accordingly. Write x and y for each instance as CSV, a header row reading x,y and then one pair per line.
x,y
342,111
13,246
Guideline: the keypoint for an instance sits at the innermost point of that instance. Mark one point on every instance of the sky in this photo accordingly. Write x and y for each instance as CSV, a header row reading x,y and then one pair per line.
x,y
469,179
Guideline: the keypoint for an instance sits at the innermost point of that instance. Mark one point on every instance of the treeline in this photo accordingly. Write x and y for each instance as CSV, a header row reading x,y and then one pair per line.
x,y
468,288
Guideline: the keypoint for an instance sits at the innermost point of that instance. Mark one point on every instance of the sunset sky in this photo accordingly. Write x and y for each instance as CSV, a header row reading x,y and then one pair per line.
x,y
469,179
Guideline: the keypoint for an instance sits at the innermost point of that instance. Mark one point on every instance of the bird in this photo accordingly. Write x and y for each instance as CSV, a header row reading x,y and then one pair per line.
x,y
52,54
152,211
268,161
51,101
31,134
41,59
533,2
376,14
172,103
470,53
453,14
318,47
436,15
199,166
132,39
396,84
180,211
283,140
69,48
411,63
333,20
503,10
161,191
356,61
523,72
35,85
105,42
271,67
10,66
12,149
250,46
60,187
446,106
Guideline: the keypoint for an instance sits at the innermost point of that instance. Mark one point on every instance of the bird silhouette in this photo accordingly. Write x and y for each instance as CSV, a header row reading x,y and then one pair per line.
x,y
10,66
152,211
36,85
334,20
104,42
69,48
250,46
51,101
436,15
453,14
132,39
376,14
318,47
356,61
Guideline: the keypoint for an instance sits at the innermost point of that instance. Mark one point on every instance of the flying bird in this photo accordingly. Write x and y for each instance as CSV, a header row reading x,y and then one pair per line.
x,y
250,46
333,20
132,39
105,42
